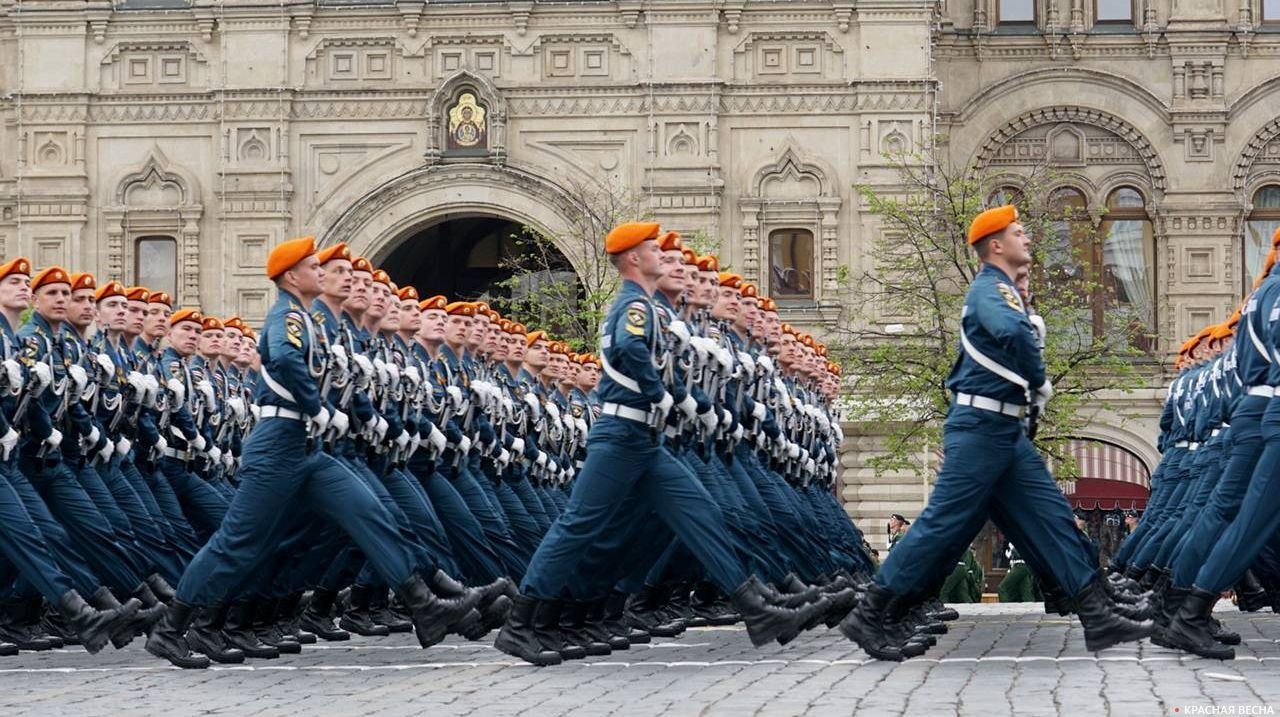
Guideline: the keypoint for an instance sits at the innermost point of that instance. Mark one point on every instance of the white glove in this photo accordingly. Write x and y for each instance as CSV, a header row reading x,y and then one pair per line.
x,y
748,363
43,376
379,429
340,359
809,467
78,375
206,389
793,450
542,459
508,406
414,441
1037,323
380,370
320,420
228,460
1044,393
551,466
464,446
339,424
689,408
105,363
703,346
91,440
680,331
13,374
581,425
235,404
517,445
725,358
138,383
664,404
104,455
365,369
535,408
152,387
402,440
765,363
177,389
215,454
8,442
708,420
199,443
758,411
455,395
413,374
504,457
161,445
726,418
553,412
437,440
737,432
123,446
393,375
55,439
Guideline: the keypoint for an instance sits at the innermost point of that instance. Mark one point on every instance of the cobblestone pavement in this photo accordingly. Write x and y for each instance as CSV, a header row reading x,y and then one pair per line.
x,y
997,660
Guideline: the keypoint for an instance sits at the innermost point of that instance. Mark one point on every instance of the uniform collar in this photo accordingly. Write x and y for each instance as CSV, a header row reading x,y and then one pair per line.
x,y
996,271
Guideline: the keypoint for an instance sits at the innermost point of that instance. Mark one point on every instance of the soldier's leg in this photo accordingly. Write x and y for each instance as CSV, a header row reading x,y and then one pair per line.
x,y
529,499
422,519
203,506
476,555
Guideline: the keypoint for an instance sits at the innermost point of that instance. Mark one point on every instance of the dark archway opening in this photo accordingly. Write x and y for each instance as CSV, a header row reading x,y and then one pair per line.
x,y
471,257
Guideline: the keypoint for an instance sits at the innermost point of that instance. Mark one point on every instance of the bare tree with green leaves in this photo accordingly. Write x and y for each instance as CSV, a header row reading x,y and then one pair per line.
x,y
899,336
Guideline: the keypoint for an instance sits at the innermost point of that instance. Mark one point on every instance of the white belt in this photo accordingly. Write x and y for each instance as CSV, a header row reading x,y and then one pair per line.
x,y
670,432
174,453
1214,433
280,412
1268,391
990,404
1226,426
627,412
1182,444
1193,445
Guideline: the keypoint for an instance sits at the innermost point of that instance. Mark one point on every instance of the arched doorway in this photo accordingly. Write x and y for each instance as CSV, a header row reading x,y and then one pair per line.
x,y
469,256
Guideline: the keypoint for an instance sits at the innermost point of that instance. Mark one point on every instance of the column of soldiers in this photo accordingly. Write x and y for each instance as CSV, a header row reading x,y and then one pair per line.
x,y
373,461
1211,523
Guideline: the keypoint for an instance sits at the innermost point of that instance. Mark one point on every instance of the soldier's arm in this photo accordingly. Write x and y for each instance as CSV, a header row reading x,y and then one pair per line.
x,y
288,363
631,348
1004,319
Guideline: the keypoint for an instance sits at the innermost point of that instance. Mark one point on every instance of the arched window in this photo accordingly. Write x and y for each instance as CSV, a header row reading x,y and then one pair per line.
x,y
1127,280
1005,195
157,264
791,264
1065,256
1262,223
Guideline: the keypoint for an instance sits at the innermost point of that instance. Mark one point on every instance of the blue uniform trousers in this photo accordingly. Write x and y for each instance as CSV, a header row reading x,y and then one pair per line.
x,y
1210,468
622,459
495,529
277,475
1185,480
990,468
25,551
477,559
203,506
1159,492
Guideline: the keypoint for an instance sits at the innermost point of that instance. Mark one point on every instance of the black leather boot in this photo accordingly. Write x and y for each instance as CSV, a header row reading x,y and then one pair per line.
x,y
573,617
381,612
168,637
205,636
1222,633
1134,573
289,618
615,619
594,624
317,617
790,599
1170,604
519,637
13,629
547,622
767,622
94,627
938,611
708,604
1055,600
8,649
1190,629
27,612
868,625
1103,627
152,605
842,603
239,633
162,590
1250,595
268,630
357,617
432,615
52,624
491,610
142,621
642,614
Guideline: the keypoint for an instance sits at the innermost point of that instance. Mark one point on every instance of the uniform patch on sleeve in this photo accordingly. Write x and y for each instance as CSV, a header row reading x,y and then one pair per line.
x,y
1010,296
175,369
293,328
30,350
637,318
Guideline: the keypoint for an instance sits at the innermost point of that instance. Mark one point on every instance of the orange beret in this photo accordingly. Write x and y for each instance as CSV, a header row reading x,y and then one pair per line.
x,y
211,324
491,314
732,281
670,241
585,359
435,303
1222,331
534,337
807,340
141,293
515,327
1275,238
1235,317
708,263
235,322
160,297
110,289
992,221
50,275
788,329
690,256
834,368
822,349
408,293
83,280
461,308
362,264
192,315
15,266
287,255
768,304
630,235
251,334
557,347
337,251
749,291
382,277
480,306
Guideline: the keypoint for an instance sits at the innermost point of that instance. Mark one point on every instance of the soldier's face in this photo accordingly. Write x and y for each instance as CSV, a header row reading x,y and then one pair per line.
x,y
135,317
433,325
747,311
114,313
309,275
52,301
555,366
231,339
80,311
708,288
497,349
726,304
570,377
338,279
536,356
515,348
457,329
479,330
650,259
156,324
1016,245
15,292
210,342
391,319
244,357
588,377
410,317
361,288
185,337
673,274
378,296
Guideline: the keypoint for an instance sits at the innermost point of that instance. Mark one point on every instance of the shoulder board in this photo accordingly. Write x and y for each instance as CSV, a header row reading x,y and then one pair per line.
x,y
175,367
1010,295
